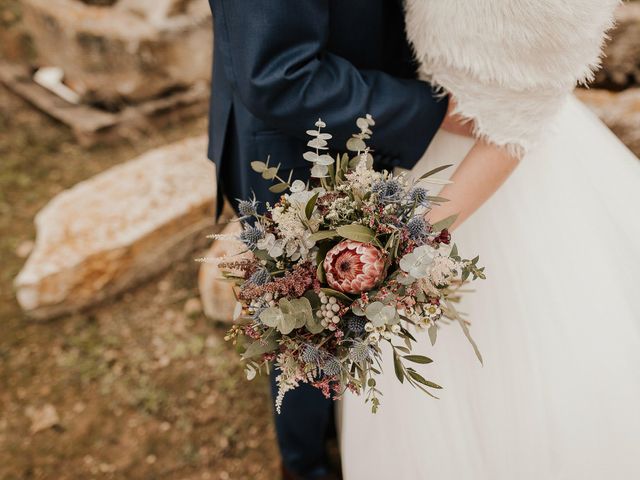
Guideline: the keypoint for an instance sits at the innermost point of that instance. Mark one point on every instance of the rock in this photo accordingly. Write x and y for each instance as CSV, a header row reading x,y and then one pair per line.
x,y
620,111
25,248
192,307
217,295
42,418
131,51
118,228
621,64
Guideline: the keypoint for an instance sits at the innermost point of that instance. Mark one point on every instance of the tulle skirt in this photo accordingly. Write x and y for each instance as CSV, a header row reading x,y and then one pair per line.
x,y
557,321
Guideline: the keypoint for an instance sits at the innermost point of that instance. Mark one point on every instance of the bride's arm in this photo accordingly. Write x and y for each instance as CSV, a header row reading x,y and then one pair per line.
x,y
481,173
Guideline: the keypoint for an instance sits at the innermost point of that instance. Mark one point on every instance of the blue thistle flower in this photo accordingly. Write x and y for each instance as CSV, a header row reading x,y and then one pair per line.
x,y
332,367
356,324
387,191
417,228
311,354
248,208
250,236
360,351
260,277
418,195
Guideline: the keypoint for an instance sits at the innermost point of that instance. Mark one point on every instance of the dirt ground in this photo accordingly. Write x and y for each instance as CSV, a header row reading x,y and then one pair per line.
x,y
143,388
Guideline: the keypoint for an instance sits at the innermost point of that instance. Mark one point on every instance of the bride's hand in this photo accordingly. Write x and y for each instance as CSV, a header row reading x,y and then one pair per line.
x,y
455,123
481,173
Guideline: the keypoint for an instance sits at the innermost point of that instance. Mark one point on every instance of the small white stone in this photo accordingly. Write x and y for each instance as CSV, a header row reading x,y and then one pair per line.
x,y
335,307
323,298
332,300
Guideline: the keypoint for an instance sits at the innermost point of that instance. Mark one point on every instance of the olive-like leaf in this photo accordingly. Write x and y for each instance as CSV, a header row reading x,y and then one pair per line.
x,y
444,223
433,333
339,295
435,170
308,209
420,379
278,187
418,359
323,235
357,232
397,367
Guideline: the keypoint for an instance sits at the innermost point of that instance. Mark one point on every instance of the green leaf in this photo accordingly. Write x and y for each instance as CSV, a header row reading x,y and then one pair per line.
x,y
258,166
323,235
397,367
444,224
356,232
356,144
380,314
339,295
437,199
454,313
418,359
297,311
420,379
454,251
433,333
434,171
259,347
308,209
320,274
270,173
278,187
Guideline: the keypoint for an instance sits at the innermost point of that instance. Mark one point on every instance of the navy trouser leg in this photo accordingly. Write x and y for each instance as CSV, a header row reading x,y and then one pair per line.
x,y
302,429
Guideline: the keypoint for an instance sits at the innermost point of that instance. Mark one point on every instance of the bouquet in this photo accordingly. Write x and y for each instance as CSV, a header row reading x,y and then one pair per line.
x,y
338,266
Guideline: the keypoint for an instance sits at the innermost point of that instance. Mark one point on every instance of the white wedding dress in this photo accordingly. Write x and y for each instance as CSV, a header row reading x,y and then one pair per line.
x,y
558,318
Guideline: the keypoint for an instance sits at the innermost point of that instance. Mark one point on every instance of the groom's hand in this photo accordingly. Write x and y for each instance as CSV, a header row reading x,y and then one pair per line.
x,y
456,123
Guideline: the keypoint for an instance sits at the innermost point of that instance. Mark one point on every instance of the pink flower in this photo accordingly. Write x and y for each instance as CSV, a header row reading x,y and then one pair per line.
x,y
354,267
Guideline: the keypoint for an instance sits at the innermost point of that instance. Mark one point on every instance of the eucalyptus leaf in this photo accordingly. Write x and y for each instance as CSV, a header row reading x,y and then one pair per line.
x,y
278,187
259,347
356,144
258,166
270,173
380,314
310,156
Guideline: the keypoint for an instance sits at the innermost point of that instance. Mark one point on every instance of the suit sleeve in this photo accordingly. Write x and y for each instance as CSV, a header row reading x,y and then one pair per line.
x,y
278,64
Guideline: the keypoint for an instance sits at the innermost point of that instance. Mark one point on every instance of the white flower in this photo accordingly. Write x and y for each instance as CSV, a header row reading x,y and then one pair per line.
x,y
442,270
273,246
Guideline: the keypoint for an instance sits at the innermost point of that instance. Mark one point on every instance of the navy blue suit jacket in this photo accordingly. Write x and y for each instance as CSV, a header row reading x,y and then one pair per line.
x,y
281,64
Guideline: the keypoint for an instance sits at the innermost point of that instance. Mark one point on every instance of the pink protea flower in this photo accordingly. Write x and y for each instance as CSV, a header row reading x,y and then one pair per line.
x,y
354,267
